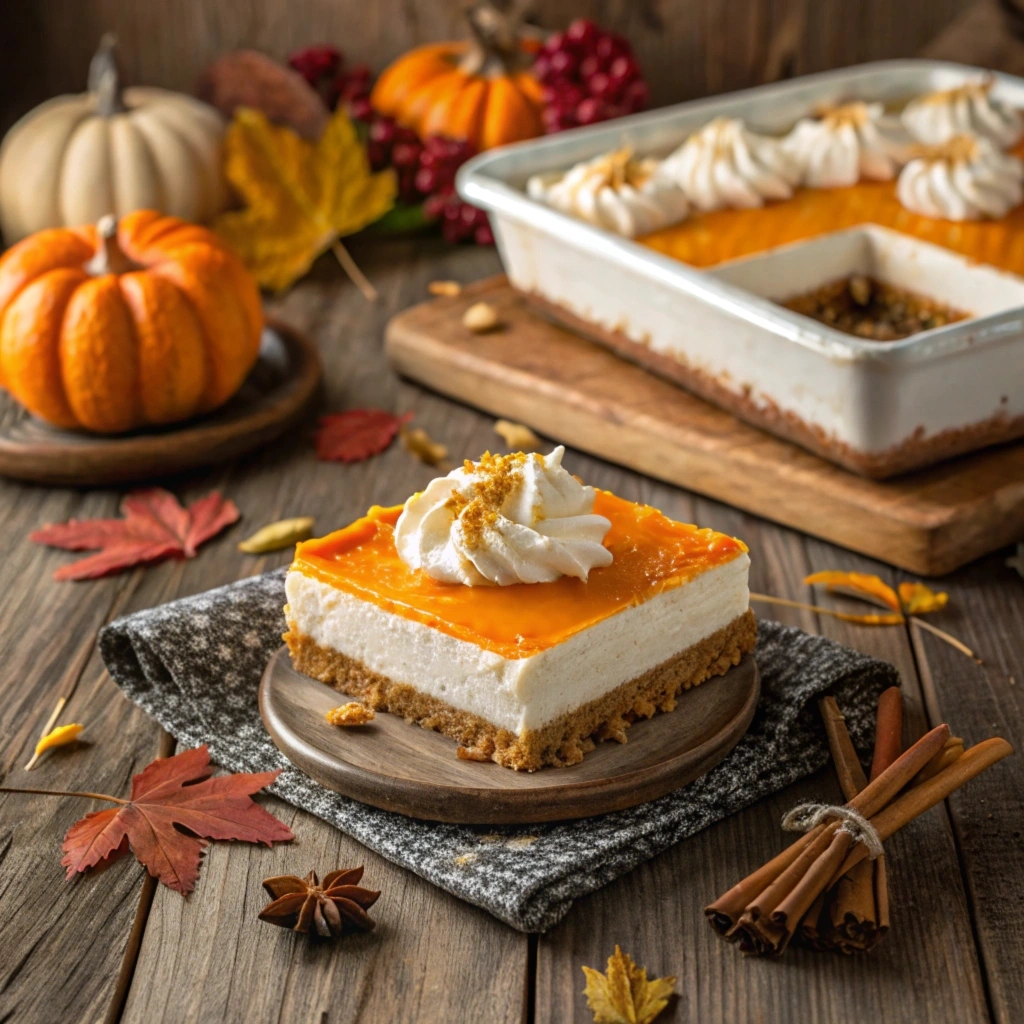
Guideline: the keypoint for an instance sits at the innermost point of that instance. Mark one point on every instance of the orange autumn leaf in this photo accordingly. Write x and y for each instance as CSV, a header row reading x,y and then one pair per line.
x,y
857,584
917,599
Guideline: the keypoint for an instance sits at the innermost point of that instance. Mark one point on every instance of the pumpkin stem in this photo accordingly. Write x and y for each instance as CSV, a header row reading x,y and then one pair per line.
x,y
105,78
495,47
110,258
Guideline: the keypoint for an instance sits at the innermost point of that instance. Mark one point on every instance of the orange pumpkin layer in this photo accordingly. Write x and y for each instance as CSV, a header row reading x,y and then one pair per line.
x,y
652,553
709,238
168,327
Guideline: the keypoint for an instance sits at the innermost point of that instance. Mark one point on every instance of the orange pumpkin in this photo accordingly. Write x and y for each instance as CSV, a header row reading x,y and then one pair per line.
x,y
144,322
479,90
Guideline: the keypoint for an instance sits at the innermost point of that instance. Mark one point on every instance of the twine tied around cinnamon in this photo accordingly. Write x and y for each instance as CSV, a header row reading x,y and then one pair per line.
x,y
805,817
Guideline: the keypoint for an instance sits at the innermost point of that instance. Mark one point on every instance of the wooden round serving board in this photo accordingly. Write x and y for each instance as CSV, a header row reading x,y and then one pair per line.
x,y
275,395
401,767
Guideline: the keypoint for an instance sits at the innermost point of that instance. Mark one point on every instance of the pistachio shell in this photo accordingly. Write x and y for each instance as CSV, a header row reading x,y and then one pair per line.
x,y
276,536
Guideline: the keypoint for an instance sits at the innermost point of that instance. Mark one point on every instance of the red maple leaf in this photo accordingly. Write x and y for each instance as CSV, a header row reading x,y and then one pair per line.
x,y
356,434
170,792
154,526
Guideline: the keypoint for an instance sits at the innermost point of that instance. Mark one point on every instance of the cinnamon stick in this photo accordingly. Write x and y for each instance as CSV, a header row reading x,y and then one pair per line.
x,y
848,770
919,799
952,749
726,911
888,730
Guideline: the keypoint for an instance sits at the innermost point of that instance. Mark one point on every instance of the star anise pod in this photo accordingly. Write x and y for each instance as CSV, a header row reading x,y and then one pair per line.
x,y
332,908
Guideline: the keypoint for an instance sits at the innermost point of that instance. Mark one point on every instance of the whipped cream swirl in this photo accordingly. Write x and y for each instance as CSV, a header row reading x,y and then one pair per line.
x,y
615,192
967,178
505,519
725,164
968,109
846,144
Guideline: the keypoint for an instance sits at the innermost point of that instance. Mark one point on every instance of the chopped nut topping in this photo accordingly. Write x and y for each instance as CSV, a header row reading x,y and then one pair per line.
x,y
352,713
871,309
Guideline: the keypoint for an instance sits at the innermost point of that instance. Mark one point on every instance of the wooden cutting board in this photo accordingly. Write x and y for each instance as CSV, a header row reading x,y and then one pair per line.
x,y
929,522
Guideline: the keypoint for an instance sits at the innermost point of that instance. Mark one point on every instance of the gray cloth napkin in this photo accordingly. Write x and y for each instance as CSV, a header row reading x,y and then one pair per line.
x,y
195,666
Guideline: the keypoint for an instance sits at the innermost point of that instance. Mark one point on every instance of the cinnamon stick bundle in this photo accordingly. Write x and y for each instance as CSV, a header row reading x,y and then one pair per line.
x,y
764,910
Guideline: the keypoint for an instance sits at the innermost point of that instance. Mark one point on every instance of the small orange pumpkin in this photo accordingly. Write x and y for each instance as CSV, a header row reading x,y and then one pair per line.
x,y
126,325
479,90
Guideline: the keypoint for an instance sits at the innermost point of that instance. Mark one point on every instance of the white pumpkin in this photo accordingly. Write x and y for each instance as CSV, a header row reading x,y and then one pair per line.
x,y
75,159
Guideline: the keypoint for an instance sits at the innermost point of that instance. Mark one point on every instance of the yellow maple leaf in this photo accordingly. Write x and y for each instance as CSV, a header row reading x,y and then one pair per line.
x,y
300,197
623,995
917,599
858,584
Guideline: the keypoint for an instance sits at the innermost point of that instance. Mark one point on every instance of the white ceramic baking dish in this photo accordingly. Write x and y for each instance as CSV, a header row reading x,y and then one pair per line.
x,y
877,407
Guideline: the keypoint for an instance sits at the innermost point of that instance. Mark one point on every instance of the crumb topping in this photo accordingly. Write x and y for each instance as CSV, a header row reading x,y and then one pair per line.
x,y
855,114
959,149
969,90
499,476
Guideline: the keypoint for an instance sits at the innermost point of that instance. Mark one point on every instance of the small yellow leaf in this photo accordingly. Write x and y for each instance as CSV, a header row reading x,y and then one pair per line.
x,y
623,995
300,197
857,584
419,443
275,536
59,737
918,599
517,436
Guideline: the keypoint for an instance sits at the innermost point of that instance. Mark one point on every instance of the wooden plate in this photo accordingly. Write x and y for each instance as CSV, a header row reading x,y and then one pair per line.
x,y
275,396
401,767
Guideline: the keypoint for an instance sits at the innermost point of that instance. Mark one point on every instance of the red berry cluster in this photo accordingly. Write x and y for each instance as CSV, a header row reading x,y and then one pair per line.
x,y
324,68
426,174
589,75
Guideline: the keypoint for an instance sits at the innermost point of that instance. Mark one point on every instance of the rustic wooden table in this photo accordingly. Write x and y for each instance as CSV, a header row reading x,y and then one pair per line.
x,y
112,946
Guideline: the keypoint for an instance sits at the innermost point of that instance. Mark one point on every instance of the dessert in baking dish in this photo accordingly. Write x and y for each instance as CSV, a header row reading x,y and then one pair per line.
x,y
518,611
854,189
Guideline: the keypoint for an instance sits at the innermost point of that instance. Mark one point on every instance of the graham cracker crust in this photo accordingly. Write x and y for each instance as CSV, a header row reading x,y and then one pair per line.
x,y
560,743
916,452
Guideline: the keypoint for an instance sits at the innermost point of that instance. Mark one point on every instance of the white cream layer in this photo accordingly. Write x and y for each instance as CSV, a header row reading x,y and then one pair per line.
x,y
520,694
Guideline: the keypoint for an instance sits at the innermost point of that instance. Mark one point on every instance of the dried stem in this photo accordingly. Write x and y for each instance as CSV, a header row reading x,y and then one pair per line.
x,y
349,265
63,792
50,722
951,640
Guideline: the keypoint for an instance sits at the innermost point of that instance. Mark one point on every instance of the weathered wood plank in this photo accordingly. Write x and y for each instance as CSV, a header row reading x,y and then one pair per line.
x,y
432,957
986,611
926,970
51,965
